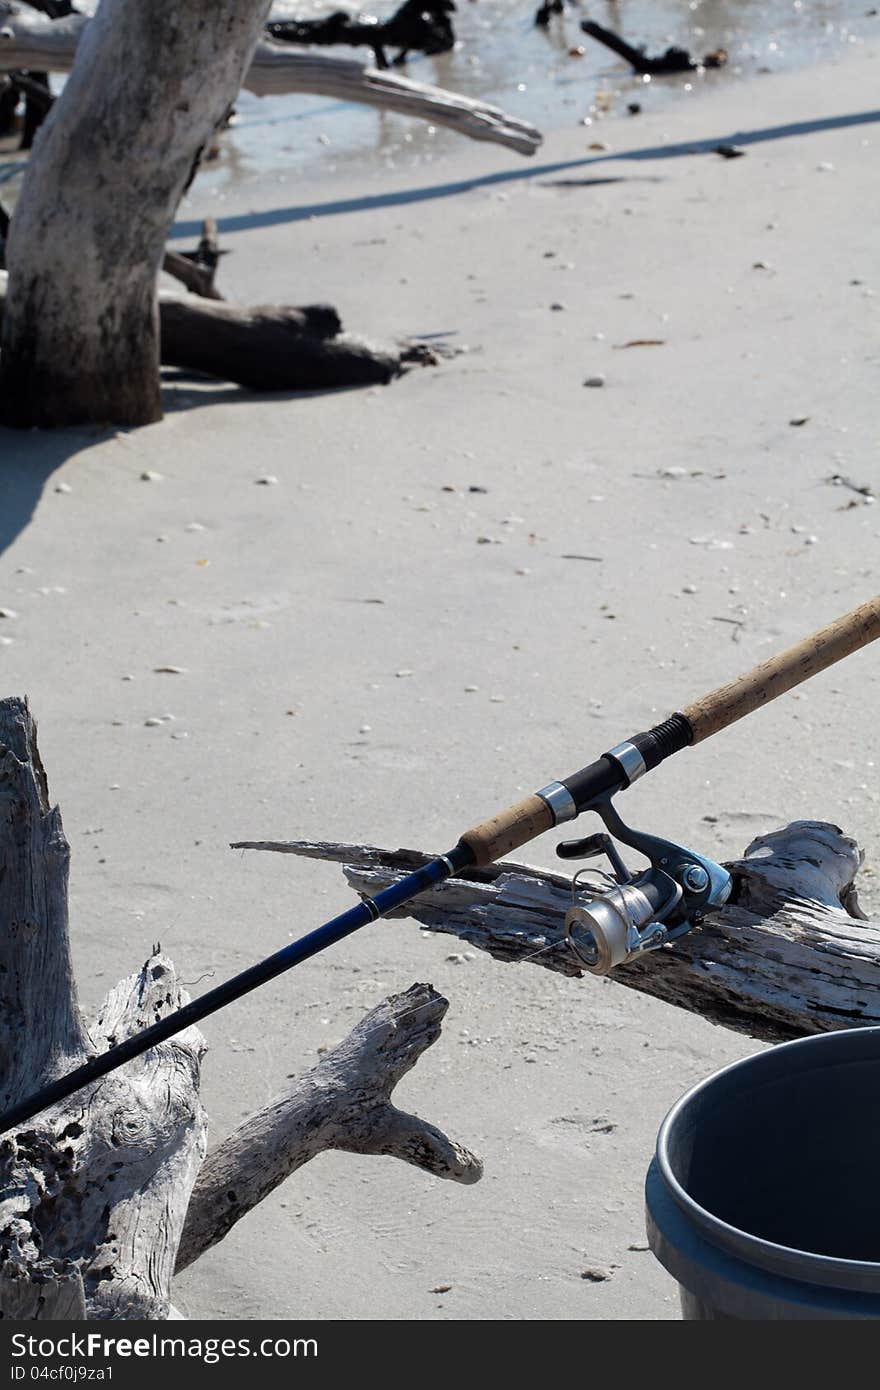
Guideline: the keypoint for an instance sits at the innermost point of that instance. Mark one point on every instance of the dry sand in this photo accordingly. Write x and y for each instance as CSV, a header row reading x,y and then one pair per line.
x,y
369,656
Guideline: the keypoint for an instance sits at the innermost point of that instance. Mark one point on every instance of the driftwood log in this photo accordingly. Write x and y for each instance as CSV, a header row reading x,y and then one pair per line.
x,y
104,1195
672,61
790,954
273,347
420,25
28,41
268,347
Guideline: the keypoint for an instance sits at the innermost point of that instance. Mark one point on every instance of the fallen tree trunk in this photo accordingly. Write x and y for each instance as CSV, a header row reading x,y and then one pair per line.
x,y
270,347
267,347
96,1192
276,69
790,954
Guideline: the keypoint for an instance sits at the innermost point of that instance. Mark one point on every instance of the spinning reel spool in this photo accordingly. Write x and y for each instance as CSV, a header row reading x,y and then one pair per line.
x,y
638,912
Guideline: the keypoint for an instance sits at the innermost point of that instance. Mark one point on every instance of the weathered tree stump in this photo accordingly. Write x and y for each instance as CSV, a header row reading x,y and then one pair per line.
x,y
791,953
148,88
103,1195
80,335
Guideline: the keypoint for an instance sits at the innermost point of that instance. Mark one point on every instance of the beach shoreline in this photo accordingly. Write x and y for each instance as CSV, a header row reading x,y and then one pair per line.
x,y
400,633
557,78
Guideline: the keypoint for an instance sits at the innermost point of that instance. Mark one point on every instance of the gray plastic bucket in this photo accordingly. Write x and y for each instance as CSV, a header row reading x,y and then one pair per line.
x,y
763,1199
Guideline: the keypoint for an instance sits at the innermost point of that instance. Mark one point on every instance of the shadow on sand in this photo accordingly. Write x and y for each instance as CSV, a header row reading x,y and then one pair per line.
x,y
274,217
28,459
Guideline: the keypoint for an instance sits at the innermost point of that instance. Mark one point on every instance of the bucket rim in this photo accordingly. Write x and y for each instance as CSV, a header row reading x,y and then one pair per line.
x,y
790,1261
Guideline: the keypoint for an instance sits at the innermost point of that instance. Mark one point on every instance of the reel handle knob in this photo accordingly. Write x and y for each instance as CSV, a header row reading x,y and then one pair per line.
x,y
587,848
590,847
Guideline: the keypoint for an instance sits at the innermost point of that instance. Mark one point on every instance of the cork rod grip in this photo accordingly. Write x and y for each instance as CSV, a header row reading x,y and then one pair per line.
x,y
781,673
508,830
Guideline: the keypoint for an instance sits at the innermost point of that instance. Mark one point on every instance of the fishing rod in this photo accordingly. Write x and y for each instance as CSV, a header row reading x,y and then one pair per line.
x,y
637,914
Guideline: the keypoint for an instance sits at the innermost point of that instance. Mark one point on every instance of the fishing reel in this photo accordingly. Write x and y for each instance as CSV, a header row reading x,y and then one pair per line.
x,y
637,912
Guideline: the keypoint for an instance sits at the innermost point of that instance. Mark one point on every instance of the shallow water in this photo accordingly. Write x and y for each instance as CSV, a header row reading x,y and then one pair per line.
x,y
501,57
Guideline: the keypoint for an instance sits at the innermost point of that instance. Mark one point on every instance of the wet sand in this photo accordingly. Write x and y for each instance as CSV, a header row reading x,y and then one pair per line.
x,y
371,650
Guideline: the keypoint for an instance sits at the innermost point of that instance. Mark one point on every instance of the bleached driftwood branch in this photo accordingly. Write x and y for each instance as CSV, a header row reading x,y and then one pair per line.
x,y
342,1103
276,70
790,954
28,41
94,1192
